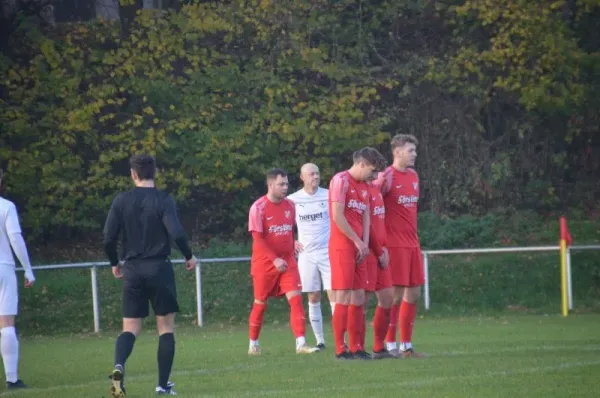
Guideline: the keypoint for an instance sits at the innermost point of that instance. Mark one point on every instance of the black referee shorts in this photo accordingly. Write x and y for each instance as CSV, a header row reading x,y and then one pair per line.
x,y
148,282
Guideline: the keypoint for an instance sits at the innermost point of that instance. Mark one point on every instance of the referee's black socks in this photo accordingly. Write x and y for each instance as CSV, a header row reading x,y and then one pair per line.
x,y
166,353
123,348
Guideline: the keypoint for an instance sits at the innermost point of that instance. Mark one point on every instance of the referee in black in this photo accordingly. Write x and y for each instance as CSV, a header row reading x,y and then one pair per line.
x,y
146,220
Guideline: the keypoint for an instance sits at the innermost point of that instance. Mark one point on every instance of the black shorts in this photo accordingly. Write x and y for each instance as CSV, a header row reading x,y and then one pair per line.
x,y
148,282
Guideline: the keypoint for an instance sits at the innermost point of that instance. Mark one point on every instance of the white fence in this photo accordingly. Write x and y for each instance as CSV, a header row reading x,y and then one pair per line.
x,y
426,262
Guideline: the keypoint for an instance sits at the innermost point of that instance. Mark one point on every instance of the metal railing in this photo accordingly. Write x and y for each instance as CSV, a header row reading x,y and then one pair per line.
x,y
426,263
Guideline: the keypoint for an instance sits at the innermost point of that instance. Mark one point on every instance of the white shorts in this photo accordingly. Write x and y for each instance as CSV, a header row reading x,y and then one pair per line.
x,y
9,294
314,266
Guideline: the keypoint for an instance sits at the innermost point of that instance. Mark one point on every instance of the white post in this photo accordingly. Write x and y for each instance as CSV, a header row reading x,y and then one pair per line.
x,y
95,299
199,293
426,268
569,285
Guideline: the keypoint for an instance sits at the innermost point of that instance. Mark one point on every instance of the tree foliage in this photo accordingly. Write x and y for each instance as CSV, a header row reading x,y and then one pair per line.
x,y
500,93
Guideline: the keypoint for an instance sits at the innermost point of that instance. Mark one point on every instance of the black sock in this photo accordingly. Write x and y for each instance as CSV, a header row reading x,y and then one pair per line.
x,y
123,348
166,353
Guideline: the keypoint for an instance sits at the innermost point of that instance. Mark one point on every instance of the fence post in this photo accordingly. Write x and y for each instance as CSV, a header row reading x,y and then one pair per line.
x,y
426,268
569,285
199,294
95,299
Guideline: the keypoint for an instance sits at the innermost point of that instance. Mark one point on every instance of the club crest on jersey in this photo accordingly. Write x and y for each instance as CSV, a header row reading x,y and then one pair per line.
x,y
415,185
288,214
322,204
363,193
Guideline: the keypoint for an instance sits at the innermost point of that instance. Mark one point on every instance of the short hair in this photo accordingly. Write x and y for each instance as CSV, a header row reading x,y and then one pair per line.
x,y
144,165
371,156
273,173
400,140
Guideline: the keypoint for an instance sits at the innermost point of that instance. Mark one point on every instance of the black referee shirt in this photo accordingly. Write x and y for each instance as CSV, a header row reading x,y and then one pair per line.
x,y
146,220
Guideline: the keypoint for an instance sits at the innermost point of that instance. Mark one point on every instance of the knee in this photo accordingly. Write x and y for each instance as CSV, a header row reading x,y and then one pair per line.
x,y
314,298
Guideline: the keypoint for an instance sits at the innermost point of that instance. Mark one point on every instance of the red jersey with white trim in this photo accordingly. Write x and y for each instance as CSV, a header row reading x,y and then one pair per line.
x,y
276,223
400,190
355,197
378,231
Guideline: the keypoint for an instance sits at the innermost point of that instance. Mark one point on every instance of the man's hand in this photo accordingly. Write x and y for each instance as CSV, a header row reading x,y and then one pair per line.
x,y
298,247
280,264
190,264
384,259
116,270
362,251
29,282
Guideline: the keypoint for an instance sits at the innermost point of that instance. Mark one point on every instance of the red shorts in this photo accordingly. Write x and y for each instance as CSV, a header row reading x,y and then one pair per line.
x,y
272,283
406,265
345,273
377,278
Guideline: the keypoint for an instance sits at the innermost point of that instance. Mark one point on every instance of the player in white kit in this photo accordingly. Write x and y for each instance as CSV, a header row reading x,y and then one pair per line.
x,y
312,221
10,236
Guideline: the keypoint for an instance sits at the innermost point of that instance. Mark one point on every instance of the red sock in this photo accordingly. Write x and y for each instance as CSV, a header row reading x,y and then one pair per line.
x,y
297,317
340,324
256,319
408,311
381,322
354,327
390,337
363,327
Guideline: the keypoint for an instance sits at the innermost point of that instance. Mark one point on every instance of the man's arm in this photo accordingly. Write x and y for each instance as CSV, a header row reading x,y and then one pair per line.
x,y
171,222
367,224
340,220
112,226
261,244
13,229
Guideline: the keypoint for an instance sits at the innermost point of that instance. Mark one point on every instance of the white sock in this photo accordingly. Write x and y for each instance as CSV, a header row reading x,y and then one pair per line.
x,y
316,321
253,343
332,304
300,341
405,346
9,347
391,346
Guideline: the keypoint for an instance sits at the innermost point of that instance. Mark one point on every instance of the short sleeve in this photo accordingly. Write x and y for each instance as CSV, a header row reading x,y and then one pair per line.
x,y
384,181
255,219
338,188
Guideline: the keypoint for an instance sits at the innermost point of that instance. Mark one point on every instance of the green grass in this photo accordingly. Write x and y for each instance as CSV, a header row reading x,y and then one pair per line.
x,y
514,355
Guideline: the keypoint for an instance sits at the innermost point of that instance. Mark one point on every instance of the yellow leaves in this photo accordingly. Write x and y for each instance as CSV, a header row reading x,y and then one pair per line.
x,y
148,110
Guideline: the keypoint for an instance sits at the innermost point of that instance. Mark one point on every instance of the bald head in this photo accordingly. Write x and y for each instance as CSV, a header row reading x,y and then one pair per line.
x,y
310,176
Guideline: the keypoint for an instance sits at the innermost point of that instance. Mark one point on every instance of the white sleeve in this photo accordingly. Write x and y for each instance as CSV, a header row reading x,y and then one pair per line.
x,y
13,229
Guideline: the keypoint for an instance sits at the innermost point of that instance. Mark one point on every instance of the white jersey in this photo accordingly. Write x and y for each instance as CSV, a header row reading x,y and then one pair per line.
x,y
312,218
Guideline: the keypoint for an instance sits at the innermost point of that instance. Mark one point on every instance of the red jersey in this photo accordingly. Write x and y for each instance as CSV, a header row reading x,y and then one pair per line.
x,y
400,191
355,197
276,223
377,237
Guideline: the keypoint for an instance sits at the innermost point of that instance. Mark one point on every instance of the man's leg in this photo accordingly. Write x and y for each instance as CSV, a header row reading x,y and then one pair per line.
x,y
135,307
9,344
311,284
298,321
390,337
166,349
381,320
255,323
9,347
340,320
316,317
123,348
263,284
408,307
356,320
408,311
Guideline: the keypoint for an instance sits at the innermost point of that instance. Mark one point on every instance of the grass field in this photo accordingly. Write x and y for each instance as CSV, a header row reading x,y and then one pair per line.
x,y
505,356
